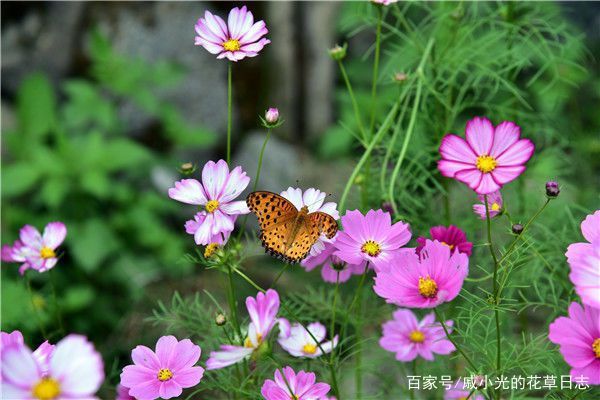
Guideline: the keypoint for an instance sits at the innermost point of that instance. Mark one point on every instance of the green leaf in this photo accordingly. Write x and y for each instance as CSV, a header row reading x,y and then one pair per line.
x,y
77,298
19,178
36,106
87,106
17,309
179,131
92,242
119,154
96,183
54,191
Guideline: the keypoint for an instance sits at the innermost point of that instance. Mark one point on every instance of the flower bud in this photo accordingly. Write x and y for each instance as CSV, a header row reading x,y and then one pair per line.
x,y
338,266
479,381
220,319
552,189
400,77
187,168
387,207
337,52
517,229
272,116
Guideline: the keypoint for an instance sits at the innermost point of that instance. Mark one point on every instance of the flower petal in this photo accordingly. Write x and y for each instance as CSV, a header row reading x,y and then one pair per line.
x,y
54,234
480,135
188,191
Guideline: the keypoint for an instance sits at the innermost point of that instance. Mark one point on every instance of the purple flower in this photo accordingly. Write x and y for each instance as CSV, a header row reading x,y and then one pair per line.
x,y
579,339
216,195
489,158
74,371
584,260
451,236
123,393
372,238
240,37
296,340
423,281
272,116
332,264
36,251
300,386
494,205
164,373
263,315
410,338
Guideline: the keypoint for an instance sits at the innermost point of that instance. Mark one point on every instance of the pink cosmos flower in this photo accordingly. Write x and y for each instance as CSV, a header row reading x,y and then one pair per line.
x,y
584,260
41,354
460,391
314,199
123,393
36,251
263,315
300,386
331,264
489,158
410,338
372,238
216,193
494,205
425,281
240,37
164,373
272,116
579,339
451,236
296,340
75,371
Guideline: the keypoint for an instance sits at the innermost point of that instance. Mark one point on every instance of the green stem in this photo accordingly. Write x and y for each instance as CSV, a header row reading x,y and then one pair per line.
x,y
375,71
411,124
281,271
55,301
260,159
462,353
414,372
229,113
354,103
35,311
232,304
333,308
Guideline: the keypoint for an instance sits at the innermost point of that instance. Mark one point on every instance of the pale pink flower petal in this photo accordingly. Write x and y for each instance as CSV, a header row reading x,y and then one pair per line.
x,y
188,191
54,234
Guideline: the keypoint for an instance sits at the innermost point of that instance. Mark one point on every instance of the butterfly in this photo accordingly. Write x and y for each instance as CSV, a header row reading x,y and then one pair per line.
x,y
286,232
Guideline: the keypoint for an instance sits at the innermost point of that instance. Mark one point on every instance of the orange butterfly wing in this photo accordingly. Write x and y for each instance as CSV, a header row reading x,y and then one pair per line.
x,y
286,233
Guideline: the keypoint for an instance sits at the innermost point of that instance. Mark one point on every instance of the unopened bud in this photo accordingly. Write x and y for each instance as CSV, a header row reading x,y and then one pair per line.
x,y
338,266
552,189
220,319
387,207
400,77
517,229
272,116
337,52
187,168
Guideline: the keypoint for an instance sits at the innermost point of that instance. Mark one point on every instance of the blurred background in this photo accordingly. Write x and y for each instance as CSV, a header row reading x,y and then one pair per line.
x,y
102,101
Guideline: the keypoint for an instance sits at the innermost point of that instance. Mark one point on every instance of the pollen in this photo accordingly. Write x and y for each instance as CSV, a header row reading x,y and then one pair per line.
x,y
427,287
371,248
596,347
47,252
232,45
212,206
486,164
495,207
46,389
417,337
309,348
210,249
449,245
164,374
248,343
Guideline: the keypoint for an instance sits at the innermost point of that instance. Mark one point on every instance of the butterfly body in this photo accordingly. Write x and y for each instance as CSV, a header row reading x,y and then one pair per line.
x,y
286,232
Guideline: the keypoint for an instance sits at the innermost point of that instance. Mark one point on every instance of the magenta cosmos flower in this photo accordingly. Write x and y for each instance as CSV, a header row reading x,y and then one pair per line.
x,y
372,238
460,391
410,338
331,264
423,281
495,204
41,354
579,339
300,386
314,199
451,236
584,260
164,373
123,393
489,158
240,37
296,340
36,251
263,315
216,195
75,371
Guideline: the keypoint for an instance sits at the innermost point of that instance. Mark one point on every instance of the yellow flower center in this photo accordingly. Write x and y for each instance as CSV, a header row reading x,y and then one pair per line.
x,y
416,337
164,374
231,45
309,349
371,248
449,245
427,287
248,342
46,389
495,207
596,347
47,252
486,164
294,397
210,249
211,206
